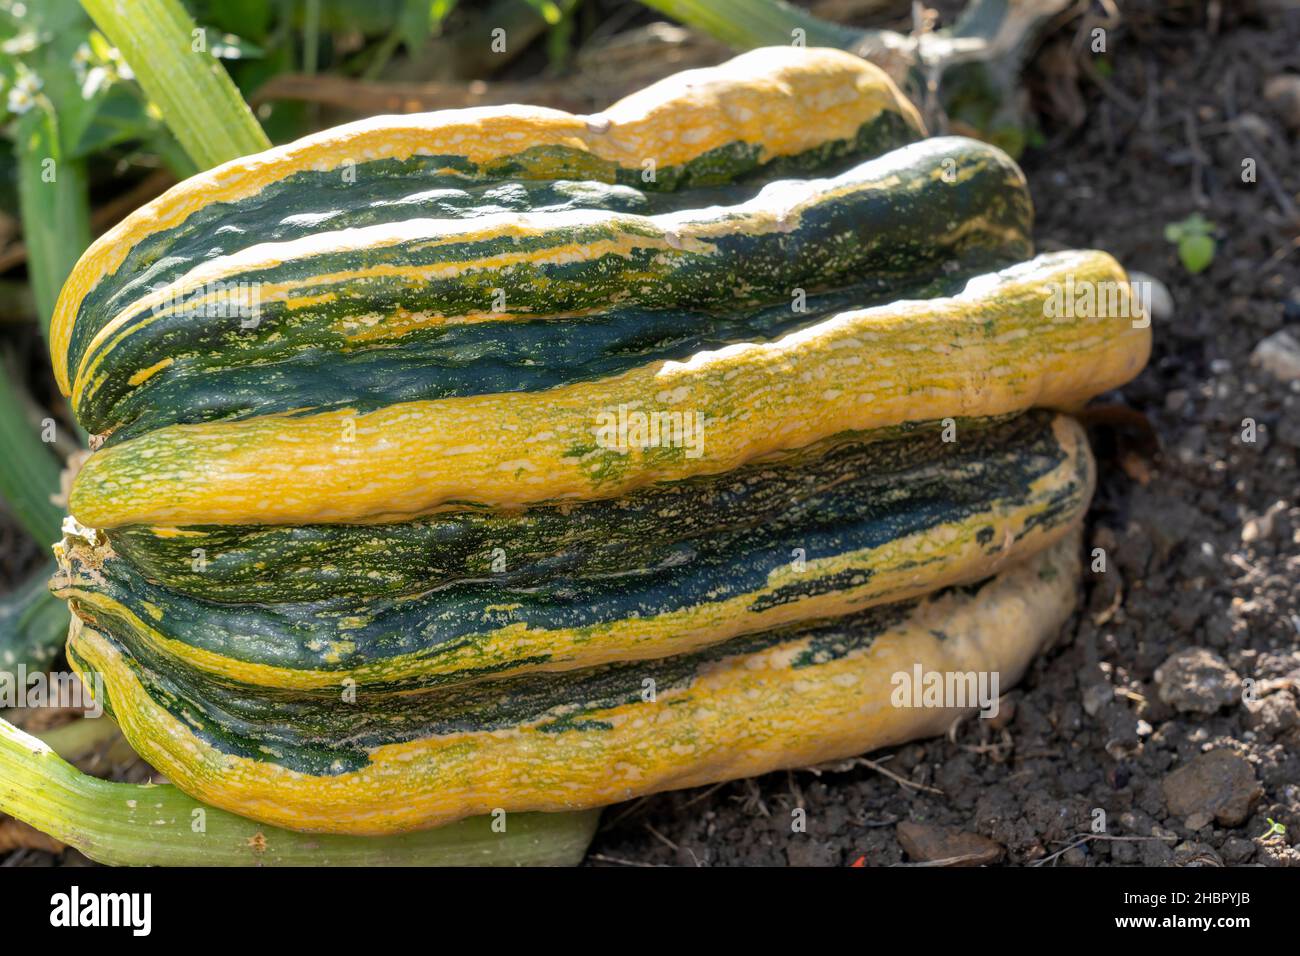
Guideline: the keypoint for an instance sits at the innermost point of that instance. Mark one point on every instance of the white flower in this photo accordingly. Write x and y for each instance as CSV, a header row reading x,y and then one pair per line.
x,y
23,94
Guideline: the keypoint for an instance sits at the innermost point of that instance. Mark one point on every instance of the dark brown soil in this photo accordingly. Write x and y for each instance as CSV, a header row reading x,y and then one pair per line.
x,y
1178,488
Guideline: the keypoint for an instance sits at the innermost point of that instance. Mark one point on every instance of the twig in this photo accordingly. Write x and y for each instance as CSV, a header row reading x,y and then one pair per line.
x,y
700,796
631,808
1089,837
661,838
881,769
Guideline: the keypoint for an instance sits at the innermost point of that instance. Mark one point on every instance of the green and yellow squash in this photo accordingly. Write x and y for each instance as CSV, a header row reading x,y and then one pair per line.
x,y
395,231
989,350
782,698
425,307
815,536
507,459
1030,463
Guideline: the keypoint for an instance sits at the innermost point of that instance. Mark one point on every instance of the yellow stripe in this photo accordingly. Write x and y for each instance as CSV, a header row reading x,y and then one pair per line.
x,y
741,716
763,97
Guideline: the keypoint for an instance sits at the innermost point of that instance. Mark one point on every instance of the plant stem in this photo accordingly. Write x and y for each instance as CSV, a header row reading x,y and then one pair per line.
x,y
79,738
172,62
135,825
744,24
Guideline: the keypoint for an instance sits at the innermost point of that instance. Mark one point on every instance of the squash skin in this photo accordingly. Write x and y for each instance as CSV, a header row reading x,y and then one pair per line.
x,y
989,351
705,127
419,294
1027,482
776,700
658,526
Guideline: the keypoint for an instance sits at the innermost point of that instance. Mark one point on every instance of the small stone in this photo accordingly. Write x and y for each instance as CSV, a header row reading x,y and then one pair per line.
x,y
804,851
1274,715
1176,399
1220,783
1196,854
925,843
1153,293
1198,681
1279,355
1006,713
1253,126
1282,94
1237,849
1095,697
1198,820
1220,367
1263,527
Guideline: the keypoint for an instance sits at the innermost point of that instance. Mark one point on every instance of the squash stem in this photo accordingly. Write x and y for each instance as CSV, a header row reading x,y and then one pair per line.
x,y
157,825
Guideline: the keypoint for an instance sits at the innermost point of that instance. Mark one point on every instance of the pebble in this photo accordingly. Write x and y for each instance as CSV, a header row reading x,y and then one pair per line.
x,y
1279,355
1162,303
1263,526
1282,94
926,843
1198,681
1220,783
1274,715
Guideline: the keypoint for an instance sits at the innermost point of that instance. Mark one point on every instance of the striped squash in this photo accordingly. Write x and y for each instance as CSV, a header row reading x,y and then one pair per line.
x,y
510,459
430,307
814,537
782,698
990,350
339,231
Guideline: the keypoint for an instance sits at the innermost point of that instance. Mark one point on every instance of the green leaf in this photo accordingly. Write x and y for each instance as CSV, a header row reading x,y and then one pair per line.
x,y
415,23
228,46
29,471
1196,252
53,196
33,623
749,23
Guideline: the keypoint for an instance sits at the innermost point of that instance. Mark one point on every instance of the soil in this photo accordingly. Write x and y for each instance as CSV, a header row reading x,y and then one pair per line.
x,y
1168,705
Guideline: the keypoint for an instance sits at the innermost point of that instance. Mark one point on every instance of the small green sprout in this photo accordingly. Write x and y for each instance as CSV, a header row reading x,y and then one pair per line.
x,y
1194,237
